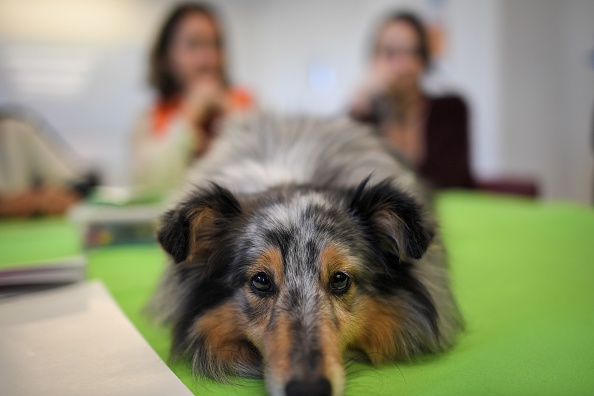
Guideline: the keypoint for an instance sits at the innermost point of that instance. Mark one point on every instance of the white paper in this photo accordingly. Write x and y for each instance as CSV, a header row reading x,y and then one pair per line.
x,y
75,340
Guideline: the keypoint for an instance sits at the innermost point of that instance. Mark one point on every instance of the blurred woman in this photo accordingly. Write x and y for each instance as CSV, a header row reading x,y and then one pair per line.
x,y
430,132
188,71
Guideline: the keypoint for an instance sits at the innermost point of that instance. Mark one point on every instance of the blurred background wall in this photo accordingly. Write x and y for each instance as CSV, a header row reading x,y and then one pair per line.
x,y
526,67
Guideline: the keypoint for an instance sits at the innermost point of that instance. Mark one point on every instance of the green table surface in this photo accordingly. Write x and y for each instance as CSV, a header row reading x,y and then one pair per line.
x,y
26,242
523,273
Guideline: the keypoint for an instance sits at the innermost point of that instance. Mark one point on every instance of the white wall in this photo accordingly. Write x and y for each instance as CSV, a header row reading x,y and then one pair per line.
x,y
547,95
521,64
577,131
294,38
86,62
473,66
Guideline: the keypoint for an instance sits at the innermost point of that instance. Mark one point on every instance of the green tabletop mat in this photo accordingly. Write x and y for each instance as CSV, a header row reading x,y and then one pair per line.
x,y
523,273
26,242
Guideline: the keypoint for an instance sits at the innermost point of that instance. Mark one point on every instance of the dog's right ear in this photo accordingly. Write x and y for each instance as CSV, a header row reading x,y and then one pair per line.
x,y
394,218
190,231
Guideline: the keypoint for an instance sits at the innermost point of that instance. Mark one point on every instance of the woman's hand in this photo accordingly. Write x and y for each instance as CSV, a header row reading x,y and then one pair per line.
x,y
377,82
46,200
205,96
207,99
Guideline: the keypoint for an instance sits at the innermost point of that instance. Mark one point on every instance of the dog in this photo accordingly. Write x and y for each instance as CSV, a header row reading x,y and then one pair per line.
x,y
294,242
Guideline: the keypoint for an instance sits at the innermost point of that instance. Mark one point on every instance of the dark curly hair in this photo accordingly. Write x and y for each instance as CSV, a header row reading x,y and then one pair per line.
x,y
160,76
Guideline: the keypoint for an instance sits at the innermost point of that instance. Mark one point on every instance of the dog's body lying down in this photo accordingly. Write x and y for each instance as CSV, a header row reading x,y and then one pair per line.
x,y
295,242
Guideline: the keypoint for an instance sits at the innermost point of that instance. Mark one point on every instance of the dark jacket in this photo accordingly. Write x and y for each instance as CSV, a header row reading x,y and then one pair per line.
x,y
447,147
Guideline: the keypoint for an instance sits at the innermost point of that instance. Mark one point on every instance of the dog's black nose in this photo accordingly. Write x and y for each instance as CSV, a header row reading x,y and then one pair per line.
x,y
309,387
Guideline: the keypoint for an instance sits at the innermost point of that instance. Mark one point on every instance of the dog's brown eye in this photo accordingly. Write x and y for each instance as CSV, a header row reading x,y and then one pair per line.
x,y
261,283
340,282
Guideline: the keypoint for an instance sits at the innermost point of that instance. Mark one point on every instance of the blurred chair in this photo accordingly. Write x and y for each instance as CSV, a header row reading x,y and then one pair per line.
x,y
511,186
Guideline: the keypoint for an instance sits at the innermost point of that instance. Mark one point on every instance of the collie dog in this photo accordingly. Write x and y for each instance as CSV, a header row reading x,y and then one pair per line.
x,y
295,242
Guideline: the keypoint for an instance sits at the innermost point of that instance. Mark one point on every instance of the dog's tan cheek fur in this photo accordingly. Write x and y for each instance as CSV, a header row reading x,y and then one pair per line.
x,y
224,340
379,330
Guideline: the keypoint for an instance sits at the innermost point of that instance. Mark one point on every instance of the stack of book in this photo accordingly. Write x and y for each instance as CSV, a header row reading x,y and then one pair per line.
x,y
18,278
117,216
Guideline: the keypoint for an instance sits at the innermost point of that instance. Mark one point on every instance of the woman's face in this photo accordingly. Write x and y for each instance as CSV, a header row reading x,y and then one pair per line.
x,y
194,54
397,57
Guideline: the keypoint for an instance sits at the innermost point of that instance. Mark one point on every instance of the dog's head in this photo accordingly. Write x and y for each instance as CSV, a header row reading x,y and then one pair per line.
x,y
284,282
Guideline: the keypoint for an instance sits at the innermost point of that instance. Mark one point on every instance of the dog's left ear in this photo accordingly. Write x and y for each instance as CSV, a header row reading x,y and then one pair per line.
x,y
195,226
393,217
